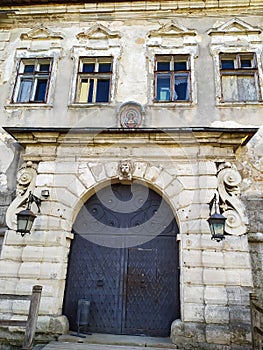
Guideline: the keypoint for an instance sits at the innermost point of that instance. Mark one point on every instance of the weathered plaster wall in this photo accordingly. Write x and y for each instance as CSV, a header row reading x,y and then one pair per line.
x,y
129,83
9,150
251,167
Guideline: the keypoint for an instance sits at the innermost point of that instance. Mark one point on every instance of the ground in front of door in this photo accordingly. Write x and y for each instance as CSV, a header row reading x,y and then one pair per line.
x,y
107,342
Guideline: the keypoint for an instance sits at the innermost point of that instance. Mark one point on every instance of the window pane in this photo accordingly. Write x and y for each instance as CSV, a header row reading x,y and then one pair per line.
x,y
247,88
163,66
180,65
246,63
104,67
103,88
91,87
84,88
229,88
163,87
181,87
24,90
44,67
227,64
41,87
88,67
29,68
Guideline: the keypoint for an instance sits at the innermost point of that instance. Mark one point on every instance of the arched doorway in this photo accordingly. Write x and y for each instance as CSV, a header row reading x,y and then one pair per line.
x,y
124,259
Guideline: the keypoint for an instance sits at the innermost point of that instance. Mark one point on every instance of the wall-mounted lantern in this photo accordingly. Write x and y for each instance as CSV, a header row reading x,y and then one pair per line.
x,y
25,218
216,222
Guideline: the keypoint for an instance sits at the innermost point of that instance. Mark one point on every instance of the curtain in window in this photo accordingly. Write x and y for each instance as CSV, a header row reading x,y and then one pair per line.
x,y
24,90
239,88
181,88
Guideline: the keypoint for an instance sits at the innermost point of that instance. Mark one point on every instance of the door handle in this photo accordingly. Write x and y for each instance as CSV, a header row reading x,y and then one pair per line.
x,y
100,283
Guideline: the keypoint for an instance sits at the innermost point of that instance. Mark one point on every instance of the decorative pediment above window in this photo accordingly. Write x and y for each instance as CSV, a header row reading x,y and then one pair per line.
x,y
41,33
235,26
172,35
235,33
99,36
172,29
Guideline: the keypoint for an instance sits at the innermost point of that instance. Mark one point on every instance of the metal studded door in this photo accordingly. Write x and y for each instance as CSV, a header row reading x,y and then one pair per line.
x,y
124,259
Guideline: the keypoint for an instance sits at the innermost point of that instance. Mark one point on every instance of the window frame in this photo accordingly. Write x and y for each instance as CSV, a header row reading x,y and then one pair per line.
x,y
172,58
35,76
95,76
238,71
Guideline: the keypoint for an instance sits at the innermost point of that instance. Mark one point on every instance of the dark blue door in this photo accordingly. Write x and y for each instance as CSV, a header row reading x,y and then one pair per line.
x,y
124,259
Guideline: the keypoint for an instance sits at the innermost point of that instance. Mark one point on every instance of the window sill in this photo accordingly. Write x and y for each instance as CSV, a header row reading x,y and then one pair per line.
x,y
89,105
172,104
239,104
29,106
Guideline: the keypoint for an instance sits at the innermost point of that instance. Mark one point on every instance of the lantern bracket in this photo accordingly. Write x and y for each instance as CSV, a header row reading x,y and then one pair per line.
x,y
33,199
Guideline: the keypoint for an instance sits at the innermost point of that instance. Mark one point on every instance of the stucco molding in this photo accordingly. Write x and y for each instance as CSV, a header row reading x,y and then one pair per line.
x,y
97,32
232,207
173,36
99,37
235,34
172,29
234,26
41,33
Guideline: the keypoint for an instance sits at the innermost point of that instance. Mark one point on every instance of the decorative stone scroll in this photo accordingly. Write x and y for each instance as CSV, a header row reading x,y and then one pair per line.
x,y
233,209
26,178
125,170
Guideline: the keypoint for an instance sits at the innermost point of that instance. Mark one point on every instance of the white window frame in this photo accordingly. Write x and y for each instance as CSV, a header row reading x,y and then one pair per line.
x,y
79,53
192,53
35,76
239,71
92,77
172,73
27,55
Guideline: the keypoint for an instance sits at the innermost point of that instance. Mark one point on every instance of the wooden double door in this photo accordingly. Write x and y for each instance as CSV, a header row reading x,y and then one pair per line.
x,y
132,288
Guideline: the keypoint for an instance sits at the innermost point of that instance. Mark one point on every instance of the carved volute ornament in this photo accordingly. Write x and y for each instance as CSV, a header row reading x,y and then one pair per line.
x,y
26,178
125,170
233,209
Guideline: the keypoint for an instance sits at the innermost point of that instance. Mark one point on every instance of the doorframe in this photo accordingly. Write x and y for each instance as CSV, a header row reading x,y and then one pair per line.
x,y
88,194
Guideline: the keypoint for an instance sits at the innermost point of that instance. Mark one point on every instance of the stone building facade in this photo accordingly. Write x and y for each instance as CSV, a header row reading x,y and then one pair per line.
x,y
163,95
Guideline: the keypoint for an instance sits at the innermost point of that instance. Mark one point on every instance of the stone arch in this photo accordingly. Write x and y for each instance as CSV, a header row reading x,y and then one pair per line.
x,y
91,176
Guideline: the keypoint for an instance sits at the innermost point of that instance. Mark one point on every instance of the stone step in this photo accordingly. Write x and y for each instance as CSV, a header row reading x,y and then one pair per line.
x,y
107,342
87,346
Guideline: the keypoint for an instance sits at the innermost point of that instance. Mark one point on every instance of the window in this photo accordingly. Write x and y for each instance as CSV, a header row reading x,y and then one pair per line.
x,y
239,77
172,78
32,81
94,80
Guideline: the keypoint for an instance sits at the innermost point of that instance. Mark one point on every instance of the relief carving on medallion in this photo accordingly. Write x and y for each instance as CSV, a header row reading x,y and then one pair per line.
x,y
231,205
131,115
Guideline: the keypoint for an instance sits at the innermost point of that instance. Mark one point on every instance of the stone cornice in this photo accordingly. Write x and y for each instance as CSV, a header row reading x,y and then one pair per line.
x,y
22,7
49,2
217,137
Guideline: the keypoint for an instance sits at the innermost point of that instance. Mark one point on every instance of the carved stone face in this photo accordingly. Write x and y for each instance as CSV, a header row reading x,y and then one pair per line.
x,y
125,168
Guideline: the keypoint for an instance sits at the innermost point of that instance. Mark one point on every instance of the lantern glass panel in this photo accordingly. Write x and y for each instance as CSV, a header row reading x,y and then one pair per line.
x,y
25,220
217,226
